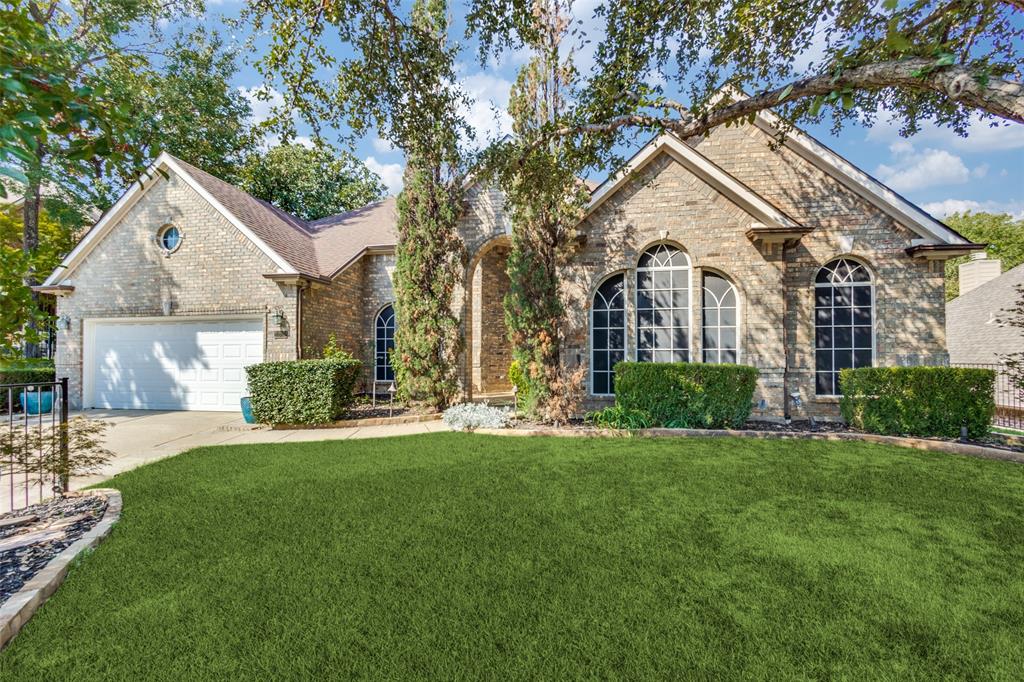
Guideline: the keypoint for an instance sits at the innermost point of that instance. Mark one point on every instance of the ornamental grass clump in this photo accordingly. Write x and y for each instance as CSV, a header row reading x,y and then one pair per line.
x,y
469,416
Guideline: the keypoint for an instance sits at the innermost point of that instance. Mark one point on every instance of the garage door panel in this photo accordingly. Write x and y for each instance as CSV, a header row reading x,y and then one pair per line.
x,y
183,365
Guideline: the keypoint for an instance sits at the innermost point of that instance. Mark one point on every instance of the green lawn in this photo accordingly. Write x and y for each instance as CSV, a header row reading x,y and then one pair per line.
x,y
454,555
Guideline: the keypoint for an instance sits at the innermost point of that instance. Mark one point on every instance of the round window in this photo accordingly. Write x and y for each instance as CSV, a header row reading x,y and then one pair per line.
x,y
170,238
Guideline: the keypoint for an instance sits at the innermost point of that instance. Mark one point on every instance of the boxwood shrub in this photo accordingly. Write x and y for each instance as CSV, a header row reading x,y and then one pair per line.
x,y
18,371
918,401
302,391
686,395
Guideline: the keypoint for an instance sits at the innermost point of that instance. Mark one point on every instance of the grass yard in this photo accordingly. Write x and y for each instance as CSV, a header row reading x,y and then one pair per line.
x,y
467,556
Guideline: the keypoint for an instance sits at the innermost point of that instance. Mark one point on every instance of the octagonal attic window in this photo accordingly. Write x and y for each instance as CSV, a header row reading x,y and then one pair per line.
x,y
169,238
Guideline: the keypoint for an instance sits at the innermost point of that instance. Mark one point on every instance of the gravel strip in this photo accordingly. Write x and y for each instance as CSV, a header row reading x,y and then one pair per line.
x,y
19,564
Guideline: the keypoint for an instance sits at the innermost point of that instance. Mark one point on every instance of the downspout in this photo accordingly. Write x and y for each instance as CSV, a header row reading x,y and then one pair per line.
x,y
785,337
299,288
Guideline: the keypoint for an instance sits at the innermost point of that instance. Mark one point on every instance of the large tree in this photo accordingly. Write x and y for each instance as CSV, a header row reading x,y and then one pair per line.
x,y
546,199
917,60
310,182
186,105
399,80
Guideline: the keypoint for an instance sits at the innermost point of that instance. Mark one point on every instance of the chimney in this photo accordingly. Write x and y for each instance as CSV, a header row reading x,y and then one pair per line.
x,y
978,270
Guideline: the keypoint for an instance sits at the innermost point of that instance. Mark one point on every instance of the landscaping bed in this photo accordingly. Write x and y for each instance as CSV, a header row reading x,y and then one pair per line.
x,y
469,556
31,536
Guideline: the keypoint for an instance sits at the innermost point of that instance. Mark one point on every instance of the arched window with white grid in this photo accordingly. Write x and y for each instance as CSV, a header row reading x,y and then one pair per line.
x,y
844,318
607,334
663,305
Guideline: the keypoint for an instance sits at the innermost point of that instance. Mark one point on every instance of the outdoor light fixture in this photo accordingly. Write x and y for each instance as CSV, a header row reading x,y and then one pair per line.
x,y
63,323
280,320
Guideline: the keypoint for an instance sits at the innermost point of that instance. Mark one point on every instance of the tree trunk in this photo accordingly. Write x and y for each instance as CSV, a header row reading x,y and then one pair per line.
x,y
29,243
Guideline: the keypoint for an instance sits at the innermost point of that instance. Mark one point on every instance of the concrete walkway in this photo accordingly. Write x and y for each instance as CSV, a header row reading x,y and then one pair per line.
x,y
137,437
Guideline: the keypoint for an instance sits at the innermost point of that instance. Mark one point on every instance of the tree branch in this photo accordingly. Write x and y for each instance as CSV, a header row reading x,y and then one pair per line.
x,y
999,97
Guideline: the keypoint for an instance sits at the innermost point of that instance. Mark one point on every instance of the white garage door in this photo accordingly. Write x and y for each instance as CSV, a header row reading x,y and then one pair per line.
x,y
170,366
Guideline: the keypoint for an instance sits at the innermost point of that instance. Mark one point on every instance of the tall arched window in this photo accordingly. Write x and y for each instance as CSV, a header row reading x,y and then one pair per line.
x,y
608,334
843,322
719,319
385,344
663,305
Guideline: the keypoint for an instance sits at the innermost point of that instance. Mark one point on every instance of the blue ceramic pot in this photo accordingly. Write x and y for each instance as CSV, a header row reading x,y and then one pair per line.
x,y
247,411
37,402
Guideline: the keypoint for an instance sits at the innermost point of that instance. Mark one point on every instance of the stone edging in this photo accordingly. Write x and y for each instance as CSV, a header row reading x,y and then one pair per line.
x,y
372,421
16,611
950,447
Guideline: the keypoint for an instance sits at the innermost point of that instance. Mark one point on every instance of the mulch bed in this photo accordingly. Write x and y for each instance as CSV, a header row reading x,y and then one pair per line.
x,y
1008,443
48,529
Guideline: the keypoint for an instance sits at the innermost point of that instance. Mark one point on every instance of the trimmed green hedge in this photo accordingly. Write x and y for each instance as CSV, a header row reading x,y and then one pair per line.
x,y
302,391
686,395
918,401
20,371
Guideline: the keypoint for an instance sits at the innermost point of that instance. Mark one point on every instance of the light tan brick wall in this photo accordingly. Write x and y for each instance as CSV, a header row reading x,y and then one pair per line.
x,y
666,202
490,349
216,271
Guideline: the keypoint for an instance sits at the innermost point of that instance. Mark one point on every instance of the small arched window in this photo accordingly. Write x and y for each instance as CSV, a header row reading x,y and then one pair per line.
x,y
385,344
607,334
719,319
843,322
663,305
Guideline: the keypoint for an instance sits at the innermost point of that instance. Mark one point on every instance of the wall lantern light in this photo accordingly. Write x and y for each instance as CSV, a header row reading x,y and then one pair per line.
x,y
280,320
63,323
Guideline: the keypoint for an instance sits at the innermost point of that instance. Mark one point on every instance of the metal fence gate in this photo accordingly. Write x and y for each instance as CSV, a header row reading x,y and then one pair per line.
x,y
33,442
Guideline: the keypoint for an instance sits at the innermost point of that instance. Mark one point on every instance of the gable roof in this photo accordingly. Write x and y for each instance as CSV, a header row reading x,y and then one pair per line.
x,y
893,204
977,327
701,166
318,249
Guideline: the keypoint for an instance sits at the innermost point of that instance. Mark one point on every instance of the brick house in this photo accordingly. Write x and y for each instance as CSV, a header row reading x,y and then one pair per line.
x,y
724,249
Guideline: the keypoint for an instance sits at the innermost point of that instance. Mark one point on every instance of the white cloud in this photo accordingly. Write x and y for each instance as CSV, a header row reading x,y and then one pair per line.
x,y
382,145
980,171
390,173
487,112
264,100
982,136
941,209
916,170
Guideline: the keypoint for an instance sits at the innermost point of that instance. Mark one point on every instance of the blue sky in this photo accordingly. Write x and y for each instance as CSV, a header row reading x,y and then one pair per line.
x,y
936,168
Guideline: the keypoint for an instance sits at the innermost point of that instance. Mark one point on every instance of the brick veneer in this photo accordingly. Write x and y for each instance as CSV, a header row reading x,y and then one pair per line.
x,y
665,202
216,271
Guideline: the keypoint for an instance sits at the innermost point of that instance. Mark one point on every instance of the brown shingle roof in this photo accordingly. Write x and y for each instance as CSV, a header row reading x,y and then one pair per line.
x,y
319,248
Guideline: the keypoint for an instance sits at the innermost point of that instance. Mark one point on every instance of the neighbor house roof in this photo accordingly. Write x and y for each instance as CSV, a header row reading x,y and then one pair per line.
x,y
977,323
318,249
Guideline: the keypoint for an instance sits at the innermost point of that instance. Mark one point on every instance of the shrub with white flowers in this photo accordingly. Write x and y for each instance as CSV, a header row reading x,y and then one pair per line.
x,y
469,416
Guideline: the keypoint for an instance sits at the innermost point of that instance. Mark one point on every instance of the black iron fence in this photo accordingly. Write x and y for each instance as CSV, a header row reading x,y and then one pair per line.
x,y
1009,397
33,442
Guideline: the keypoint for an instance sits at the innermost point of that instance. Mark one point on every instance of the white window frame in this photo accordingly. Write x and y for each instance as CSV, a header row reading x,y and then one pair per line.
x,y
814,307
625,328
689,295
376,339
739,315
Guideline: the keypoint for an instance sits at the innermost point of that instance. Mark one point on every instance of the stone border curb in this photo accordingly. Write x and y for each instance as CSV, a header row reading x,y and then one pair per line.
x,y
949,447
371,421
17,610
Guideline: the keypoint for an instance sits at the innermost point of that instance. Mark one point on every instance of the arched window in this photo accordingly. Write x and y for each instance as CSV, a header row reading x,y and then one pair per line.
x,y
843,322
385,343
607,334
663,305
719,319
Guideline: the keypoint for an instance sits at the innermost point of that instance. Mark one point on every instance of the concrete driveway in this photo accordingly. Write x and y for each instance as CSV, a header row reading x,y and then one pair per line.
x,y
137,437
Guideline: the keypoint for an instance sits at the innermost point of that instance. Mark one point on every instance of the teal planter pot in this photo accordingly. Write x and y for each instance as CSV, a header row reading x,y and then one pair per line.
x,y
37,402
247,411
